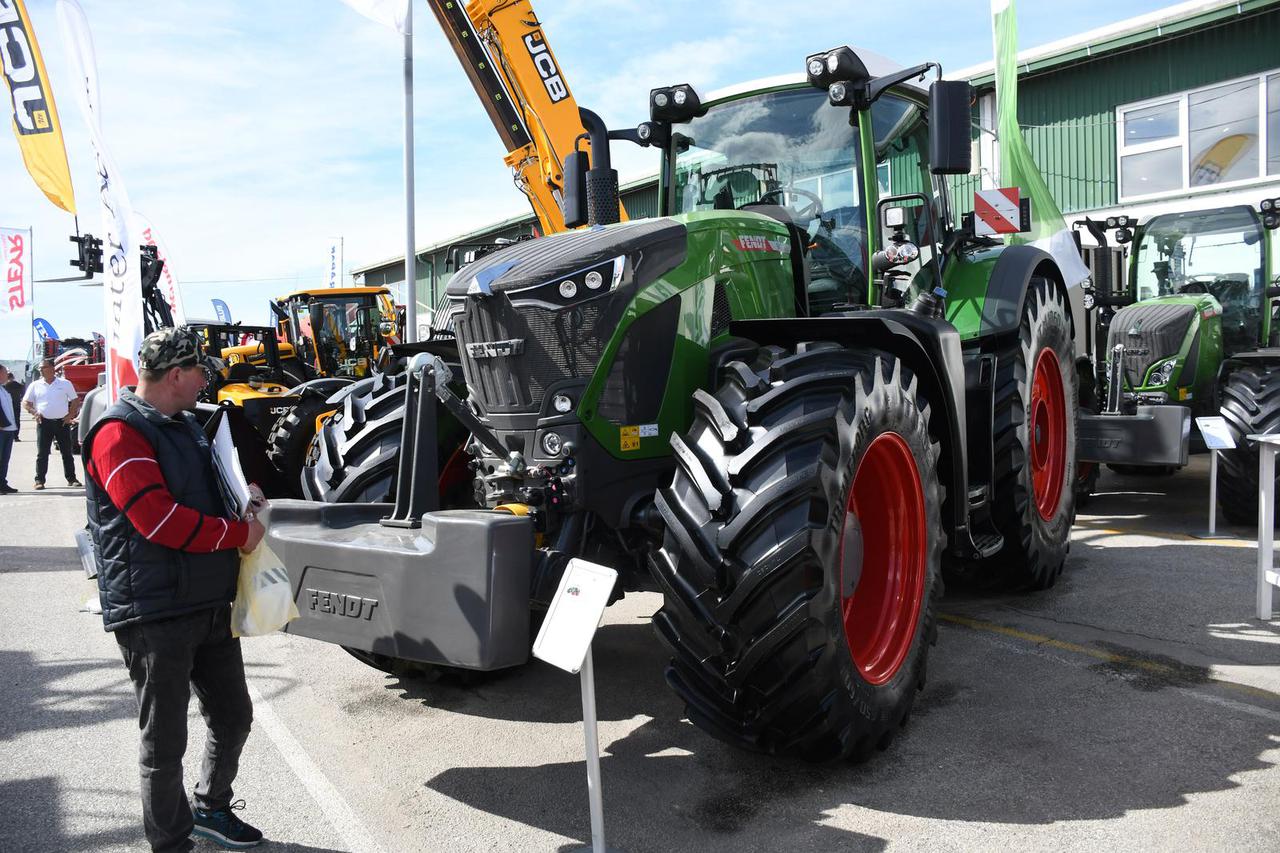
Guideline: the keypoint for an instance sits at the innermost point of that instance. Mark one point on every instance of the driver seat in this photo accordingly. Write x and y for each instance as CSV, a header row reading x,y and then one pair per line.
x,y
799,250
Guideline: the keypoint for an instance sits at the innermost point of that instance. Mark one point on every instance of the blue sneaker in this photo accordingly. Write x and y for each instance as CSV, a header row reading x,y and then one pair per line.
x,y
223,828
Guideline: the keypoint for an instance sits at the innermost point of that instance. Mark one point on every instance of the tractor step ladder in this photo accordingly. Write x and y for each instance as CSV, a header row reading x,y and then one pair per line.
x,y
1268,577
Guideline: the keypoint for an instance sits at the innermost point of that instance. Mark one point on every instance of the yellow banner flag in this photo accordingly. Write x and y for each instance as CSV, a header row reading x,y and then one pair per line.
x,y
35,118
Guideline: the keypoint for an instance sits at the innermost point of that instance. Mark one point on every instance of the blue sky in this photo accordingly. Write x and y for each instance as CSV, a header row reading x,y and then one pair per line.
x,y
252,132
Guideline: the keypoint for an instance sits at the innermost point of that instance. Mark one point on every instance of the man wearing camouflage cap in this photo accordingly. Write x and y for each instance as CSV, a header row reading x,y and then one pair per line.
x,y
167,566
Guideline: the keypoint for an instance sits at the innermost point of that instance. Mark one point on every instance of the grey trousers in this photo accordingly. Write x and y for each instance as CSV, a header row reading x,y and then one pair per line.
x,y
168,658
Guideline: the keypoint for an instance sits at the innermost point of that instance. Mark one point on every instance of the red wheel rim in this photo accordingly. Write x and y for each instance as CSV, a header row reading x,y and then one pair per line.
x,y
887,503
1048,434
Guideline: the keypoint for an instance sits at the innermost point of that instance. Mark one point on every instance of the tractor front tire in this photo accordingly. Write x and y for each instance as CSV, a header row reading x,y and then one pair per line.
x,y
1250,405
801,561
1034,444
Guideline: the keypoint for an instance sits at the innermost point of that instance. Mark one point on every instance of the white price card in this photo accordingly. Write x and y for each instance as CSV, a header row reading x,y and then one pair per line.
x,y
574,614
1217,435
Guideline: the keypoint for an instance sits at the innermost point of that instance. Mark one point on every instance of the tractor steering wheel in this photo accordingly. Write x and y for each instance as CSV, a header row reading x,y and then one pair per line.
x,y
811,211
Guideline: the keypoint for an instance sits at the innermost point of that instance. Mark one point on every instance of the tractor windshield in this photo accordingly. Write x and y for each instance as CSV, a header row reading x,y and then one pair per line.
x,y
787,148
790,150
1218,252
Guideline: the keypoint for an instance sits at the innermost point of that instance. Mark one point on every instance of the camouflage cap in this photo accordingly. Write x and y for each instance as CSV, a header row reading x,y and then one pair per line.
x,y
173,347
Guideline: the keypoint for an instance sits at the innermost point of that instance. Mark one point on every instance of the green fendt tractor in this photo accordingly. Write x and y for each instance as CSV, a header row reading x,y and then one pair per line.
x,y
1197,336
719,403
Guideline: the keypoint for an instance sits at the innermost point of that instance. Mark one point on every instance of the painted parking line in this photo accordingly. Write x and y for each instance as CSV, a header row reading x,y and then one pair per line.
x,y
1167,535
1153,667
331,803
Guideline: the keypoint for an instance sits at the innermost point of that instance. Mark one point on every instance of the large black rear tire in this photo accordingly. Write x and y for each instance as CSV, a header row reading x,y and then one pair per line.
x,y
1250,405
763,547
1033,499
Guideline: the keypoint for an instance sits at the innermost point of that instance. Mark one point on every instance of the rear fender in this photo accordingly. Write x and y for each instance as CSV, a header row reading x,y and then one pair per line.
x,y
930,348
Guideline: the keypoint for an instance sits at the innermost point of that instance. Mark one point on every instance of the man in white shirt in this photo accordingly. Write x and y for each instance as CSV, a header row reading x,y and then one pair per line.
x,y
8,432
53,401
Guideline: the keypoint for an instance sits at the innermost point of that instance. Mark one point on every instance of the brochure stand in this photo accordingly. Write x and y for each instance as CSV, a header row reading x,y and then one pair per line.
x,y
565,642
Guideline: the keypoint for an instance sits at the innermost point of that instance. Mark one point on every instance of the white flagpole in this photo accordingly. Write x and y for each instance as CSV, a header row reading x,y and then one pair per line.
x,y
410,273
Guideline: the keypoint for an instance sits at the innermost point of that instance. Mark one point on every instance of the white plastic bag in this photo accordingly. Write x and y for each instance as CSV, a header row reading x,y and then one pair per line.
x,y
264,601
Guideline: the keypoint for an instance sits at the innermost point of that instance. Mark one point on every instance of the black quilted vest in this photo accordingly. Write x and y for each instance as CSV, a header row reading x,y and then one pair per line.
x,y
139,581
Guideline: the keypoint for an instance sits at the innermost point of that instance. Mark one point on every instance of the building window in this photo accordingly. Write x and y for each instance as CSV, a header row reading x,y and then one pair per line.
x,y
1227,134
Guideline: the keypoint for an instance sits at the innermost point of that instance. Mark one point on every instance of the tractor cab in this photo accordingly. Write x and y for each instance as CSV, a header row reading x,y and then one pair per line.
x,y
778,148
1215,253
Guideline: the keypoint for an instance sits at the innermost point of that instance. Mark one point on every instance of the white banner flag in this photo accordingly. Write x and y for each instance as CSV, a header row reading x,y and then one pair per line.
x,y
333,264
15,270
149,236
122,286
389,13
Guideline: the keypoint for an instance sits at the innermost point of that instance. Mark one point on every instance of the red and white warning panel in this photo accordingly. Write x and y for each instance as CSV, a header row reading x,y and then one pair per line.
x,y
1001,211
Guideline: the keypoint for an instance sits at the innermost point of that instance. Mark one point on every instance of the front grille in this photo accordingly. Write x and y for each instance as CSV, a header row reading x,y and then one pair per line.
x,y
1150,333
558,344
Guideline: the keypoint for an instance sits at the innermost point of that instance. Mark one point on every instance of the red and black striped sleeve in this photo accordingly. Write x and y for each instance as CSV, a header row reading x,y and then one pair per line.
x,y
124,465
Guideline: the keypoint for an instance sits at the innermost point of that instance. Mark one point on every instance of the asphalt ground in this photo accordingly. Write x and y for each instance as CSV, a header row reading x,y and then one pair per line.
x,y
1135,706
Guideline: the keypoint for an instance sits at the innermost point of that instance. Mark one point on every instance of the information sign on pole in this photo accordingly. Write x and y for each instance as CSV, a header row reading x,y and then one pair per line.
x,y
565,642
1217,435
574,614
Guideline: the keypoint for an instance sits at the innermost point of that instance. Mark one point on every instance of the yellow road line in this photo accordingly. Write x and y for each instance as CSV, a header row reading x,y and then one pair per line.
x,y
1098,654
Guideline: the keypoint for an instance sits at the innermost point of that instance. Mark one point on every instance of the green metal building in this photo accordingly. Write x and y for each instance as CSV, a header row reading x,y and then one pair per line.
x,y
1174,110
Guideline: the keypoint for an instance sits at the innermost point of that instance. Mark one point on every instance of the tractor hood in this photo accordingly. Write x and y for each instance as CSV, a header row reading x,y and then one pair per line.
x,y
1157,329
642,250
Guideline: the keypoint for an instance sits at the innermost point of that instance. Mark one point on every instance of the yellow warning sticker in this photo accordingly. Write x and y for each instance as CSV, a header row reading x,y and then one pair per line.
x,y
629,437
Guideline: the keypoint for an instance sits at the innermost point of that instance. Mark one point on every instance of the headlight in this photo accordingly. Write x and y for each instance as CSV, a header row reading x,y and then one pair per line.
x,y
1163,373
568,289
552,443
563,405
680,96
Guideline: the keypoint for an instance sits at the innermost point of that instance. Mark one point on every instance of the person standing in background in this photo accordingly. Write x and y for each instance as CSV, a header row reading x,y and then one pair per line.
x,y
54,403
8,431
15,389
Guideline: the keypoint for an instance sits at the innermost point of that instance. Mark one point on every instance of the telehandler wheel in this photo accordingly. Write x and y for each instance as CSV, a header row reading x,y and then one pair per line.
x,y
801,562
1250,405
1033,499
291,438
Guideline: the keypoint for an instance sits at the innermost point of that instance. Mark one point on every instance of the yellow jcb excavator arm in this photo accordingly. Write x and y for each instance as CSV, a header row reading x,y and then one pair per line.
x,y
505,53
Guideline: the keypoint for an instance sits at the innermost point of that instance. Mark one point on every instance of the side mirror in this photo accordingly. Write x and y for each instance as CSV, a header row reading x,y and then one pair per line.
x,y
949,121
574,203
385,328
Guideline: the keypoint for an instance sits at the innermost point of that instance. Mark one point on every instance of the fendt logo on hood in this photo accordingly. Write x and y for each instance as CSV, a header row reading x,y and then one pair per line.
x,y
30,104
546,65
496,349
